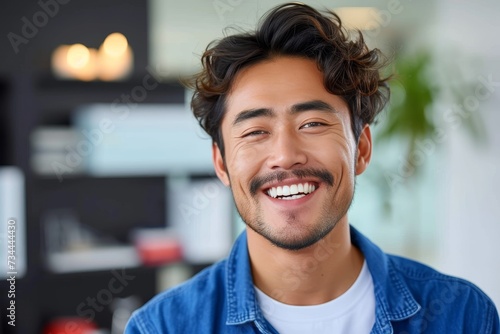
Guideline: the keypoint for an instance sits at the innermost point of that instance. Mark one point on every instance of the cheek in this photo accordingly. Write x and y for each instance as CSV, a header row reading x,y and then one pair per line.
x,y
244,163
334,155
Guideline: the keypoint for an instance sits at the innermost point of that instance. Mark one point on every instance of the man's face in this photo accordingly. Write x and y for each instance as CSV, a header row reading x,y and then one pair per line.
x,y
290,155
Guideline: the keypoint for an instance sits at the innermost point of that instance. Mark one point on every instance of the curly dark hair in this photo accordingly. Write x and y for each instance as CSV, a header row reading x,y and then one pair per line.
x,y
350,69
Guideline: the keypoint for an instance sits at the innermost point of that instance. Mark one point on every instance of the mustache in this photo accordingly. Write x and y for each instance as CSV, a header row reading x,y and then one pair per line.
x,y
321,174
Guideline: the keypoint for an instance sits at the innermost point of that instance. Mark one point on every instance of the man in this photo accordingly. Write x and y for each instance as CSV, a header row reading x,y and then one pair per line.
x,y
288,108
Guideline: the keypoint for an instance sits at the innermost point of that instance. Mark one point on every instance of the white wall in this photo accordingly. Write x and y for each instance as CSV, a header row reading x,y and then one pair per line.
x,y
180,30
470,226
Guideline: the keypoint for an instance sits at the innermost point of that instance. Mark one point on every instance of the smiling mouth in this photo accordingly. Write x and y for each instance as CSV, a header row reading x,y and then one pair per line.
x,y
290,192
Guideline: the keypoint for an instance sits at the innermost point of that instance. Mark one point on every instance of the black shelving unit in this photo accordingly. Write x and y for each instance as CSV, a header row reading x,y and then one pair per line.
x,y
30,98
112,205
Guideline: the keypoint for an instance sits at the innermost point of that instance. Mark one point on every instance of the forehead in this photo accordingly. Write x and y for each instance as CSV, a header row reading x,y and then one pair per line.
x,y
279,83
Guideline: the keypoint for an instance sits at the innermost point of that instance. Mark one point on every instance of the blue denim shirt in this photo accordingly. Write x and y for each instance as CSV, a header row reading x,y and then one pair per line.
x,y
410,298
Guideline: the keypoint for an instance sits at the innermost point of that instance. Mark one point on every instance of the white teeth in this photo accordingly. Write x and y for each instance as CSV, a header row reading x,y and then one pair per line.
x,y
293,197
279,191
293,191
286,190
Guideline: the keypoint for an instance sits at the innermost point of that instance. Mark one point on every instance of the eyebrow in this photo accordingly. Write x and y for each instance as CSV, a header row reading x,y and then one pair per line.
x,y
312,105
253,113
296,108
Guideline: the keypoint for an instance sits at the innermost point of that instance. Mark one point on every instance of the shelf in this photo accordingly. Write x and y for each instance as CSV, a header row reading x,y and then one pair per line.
x,y
105,258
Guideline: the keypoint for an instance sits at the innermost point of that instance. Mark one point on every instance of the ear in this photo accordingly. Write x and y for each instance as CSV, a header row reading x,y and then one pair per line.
x,y
364,151
219,165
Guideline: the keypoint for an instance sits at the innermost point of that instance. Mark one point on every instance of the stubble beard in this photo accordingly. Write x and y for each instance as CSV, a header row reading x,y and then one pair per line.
x,y
308,236
298,235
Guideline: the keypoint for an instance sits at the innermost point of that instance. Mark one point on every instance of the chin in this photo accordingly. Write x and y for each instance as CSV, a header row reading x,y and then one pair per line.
x,y
293,237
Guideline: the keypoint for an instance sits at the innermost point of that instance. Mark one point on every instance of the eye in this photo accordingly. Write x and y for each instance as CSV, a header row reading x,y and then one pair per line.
x,y
312,125
255,133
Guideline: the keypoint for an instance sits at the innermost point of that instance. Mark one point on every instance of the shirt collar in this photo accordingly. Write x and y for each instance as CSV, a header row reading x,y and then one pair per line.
x,y
394,300
241,302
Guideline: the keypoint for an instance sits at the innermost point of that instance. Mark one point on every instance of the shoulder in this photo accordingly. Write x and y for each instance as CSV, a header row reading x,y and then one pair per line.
x,y
421,277
443,296
177,307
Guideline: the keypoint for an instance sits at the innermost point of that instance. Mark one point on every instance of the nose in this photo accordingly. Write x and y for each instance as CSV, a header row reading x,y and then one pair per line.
x,y
286,151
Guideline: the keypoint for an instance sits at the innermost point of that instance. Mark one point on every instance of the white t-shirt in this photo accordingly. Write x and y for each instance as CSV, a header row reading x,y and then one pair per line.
x,y
352,312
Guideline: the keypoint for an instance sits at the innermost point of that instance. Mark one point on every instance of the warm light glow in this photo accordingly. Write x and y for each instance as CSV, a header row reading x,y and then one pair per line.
x,y
362,18
115,44
78,56
75,62
59,62
113,60
89,71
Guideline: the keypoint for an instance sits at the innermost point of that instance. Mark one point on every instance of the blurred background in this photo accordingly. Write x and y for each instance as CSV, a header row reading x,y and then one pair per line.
x,y
108,178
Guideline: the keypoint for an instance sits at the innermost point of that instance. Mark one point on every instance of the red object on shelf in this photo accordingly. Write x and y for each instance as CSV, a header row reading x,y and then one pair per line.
x,y
157,246
73,325
158,251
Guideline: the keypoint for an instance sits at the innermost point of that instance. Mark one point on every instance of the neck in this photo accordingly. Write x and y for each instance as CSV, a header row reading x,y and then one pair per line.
x,y
311,276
